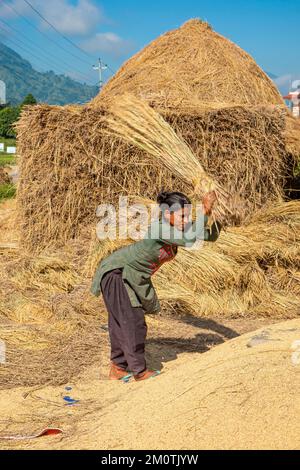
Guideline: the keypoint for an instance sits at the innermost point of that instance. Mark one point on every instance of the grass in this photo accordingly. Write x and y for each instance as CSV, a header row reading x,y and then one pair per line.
x,y
6,158
9,142
7,191
297,169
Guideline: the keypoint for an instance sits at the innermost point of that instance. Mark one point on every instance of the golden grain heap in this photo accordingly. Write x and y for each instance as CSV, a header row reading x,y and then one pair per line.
x,y
221,104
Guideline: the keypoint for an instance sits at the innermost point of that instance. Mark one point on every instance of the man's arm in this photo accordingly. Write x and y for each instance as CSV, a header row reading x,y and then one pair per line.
x,y
143,290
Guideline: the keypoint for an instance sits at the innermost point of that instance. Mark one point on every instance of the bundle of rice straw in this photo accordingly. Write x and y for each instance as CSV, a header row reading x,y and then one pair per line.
x,y
133,120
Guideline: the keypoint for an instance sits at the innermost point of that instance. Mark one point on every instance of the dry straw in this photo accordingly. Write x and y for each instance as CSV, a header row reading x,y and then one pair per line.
x,y
222,105
136,122
4,177
192,68
68,166
247,271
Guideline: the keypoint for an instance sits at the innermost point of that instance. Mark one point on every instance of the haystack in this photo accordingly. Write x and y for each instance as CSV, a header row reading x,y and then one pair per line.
x,y
192,67
292,135
236,128
68,166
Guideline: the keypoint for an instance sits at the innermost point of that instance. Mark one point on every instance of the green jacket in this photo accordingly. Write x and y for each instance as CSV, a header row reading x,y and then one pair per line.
x,y
142,259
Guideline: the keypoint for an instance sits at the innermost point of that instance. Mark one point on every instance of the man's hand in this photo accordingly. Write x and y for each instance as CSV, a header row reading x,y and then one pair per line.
x,y
208,202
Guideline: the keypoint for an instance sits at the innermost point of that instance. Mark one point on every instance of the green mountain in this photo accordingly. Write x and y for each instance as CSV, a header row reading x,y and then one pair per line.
x,y
21,79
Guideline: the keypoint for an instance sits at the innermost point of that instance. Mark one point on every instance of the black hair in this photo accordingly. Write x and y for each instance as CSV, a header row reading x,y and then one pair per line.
x,y
170,199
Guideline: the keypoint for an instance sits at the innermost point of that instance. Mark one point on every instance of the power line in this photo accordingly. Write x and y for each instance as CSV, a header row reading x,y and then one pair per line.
x,y
100,67
55,29
42,32
21,47
6,66
62,35
16,73
52,40
12,69
56,62
113,72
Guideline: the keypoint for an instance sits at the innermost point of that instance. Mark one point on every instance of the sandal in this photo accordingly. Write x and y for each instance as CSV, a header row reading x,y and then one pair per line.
x,y
118,373
147,374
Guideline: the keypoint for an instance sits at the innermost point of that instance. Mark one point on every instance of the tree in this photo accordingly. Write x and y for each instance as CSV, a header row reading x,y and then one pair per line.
x,y
8,116
29,100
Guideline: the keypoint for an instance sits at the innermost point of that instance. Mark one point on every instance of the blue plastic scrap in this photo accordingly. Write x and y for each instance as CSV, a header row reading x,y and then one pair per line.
x,y
69,400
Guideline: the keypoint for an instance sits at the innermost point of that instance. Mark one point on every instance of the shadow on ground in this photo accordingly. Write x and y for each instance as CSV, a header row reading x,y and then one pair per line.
x,y
163,349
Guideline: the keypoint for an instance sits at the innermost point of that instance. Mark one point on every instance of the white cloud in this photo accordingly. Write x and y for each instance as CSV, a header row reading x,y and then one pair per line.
x,y
75,19
109,43
78,19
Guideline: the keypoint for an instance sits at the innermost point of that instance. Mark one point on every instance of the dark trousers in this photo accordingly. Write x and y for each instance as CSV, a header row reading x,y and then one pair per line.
x,y
126,324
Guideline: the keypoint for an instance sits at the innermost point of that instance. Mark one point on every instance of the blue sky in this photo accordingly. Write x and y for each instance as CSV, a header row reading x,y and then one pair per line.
x,y
116,29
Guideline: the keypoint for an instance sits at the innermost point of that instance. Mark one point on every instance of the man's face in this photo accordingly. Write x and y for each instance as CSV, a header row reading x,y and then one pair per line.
x,y
178,218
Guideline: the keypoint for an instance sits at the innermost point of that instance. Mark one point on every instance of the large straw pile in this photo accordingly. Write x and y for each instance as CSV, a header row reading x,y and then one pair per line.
x,y
192,67
48,320
220,103
68,165
134,121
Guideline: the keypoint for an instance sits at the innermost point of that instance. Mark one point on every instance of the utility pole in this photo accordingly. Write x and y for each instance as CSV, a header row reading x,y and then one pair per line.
x,y
100,67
